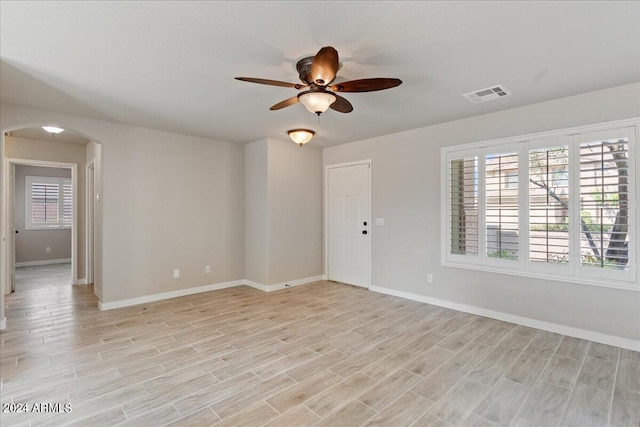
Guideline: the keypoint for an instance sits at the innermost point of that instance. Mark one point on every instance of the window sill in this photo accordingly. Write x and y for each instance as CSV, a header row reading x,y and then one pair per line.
x,y
629,286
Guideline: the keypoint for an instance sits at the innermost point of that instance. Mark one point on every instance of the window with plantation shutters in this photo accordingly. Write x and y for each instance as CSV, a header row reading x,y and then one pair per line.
x,y
501,206
549,205
463,214
49,203
559,205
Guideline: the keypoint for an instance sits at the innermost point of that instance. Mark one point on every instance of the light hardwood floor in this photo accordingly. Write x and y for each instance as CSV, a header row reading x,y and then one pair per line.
x,y
324,354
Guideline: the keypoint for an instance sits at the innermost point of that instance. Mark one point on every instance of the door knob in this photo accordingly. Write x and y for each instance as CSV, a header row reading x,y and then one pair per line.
x,y
364,231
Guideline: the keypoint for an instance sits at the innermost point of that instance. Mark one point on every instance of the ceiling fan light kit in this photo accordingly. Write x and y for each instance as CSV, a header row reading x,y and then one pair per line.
x,y
317,73
300,136
317,102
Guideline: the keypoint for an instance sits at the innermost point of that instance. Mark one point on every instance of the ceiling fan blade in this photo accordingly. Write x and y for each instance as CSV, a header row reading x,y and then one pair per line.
x,y
366,85
285,103
271,82
341,105
325,66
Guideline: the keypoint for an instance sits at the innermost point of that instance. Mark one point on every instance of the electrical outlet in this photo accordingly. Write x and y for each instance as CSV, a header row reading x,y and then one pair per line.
x,y
429,278
176,273
47,250
207,269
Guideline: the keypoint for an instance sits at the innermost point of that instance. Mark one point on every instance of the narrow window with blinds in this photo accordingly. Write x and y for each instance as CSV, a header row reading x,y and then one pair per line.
x,y
48,203
463,194
604,204
549,205
501,206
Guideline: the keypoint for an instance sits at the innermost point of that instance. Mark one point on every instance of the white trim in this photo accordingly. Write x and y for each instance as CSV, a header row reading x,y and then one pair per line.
x,y
547,276
283,285
256,285
3,323
89,264
552,133
6,227
326,216
43,262
167,295
292,283
82,281
206,288
520,320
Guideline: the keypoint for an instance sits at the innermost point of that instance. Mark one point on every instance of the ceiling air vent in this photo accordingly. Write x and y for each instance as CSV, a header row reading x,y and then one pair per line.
x,y
488,94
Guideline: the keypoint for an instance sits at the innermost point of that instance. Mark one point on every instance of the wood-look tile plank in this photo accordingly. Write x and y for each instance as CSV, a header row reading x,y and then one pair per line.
x,y
353,414
339,394
544,344
573,347
598,373
503,401
562,371
603,351
460,401
240,401
386,391
194,401
300,416
429,361
436,384
588,407
625,409
303,391
628,374
545,405
403,412
203,417
526,369
255,415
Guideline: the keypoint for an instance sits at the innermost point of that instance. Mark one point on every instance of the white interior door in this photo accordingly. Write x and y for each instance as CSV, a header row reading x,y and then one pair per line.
x,y
90,200
348,224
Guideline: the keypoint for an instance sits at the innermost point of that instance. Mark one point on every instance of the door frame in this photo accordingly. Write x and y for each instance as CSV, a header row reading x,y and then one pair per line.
x,y
8,207
89,220
326,216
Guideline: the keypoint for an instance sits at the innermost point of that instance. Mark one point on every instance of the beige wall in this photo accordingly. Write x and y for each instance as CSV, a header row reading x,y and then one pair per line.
x,y
168,201
31,244
406,193
256,211
295,211
33,149
283,212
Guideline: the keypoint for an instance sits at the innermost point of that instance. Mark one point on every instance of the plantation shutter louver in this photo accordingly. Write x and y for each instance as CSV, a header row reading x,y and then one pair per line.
x,y
501,196
604,204
463,191
44,203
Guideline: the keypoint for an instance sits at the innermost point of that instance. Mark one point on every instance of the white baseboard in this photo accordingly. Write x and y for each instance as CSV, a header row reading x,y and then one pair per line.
x,y
3,323
82,281
199,289
167,295
520,320
258,286
293,283
43,262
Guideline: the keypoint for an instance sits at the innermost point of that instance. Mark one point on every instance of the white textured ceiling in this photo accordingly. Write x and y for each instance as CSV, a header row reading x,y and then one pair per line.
x,y
68,135
170,65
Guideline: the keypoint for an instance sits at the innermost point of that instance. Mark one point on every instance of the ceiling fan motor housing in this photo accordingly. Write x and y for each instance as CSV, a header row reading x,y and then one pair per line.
x,y
304,69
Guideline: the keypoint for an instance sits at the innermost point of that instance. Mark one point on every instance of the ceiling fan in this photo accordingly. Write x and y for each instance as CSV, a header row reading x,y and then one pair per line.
x,y
318,73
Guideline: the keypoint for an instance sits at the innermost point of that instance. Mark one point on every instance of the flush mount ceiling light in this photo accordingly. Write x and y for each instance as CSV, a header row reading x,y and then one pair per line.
x,y
317,102
53,130
301,136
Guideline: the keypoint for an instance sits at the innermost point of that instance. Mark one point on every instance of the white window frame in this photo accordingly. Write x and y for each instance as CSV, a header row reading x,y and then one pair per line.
x,y
60,182
572,271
